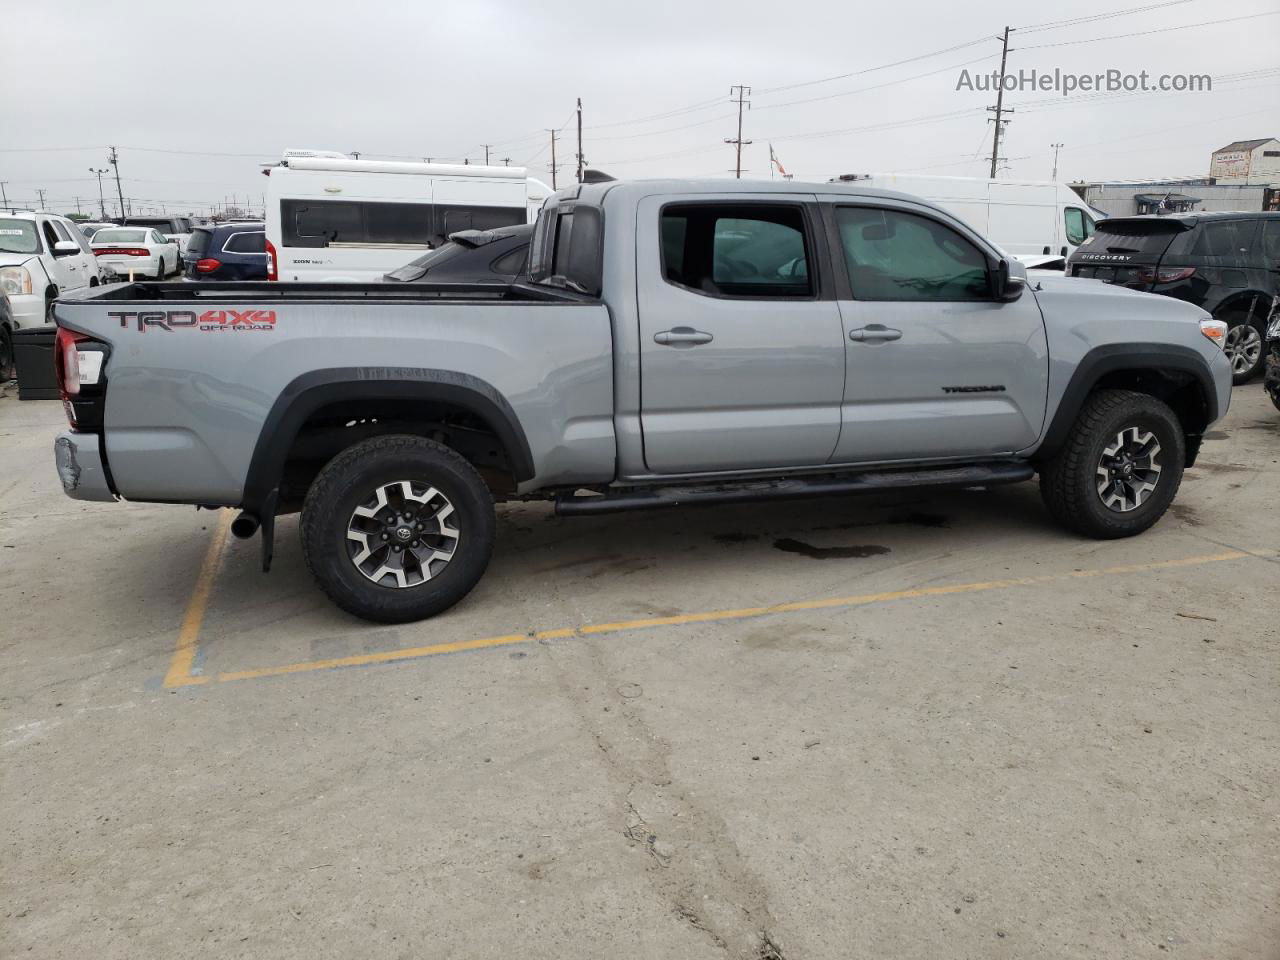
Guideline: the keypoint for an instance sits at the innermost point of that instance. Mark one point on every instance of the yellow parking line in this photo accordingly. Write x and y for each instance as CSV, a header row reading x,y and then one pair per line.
x,y
712,616
184,654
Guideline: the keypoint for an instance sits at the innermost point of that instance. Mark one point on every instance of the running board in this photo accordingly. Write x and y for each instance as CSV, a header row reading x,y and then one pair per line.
x,y
983,475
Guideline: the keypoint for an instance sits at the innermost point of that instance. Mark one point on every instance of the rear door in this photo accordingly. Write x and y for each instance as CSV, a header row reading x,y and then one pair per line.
x,y
936,367
741,348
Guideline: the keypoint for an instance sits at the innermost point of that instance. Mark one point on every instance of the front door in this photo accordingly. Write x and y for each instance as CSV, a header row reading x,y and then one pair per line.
x,y
936,367
741,347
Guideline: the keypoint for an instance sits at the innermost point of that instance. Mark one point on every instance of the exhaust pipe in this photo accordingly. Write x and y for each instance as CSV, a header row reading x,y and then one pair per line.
x,y
244,526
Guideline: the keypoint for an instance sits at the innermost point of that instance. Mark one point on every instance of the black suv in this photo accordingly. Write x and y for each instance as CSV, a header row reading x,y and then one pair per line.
x,y
1226,263
494,256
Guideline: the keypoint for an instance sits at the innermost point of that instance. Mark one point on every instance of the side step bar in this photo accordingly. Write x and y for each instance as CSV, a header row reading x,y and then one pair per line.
x,y
982,475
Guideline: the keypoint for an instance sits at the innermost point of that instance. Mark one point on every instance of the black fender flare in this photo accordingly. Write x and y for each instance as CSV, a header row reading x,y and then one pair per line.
x,y
1112,358
311,391
1248,300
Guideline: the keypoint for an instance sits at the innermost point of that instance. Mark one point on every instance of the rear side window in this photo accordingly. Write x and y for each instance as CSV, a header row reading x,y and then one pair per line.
x,y
1223,238
510,264
758,251
1271,240
246,243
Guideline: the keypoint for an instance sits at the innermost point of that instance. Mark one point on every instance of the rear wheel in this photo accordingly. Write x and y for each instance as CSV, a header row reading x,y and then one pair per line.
x,y
1120,467
1244,345
397,528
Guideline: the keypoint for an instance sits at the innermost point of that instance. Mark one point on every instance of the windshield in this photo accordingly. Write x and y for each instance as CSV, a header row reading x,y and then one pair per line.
x,y
120,236
18,236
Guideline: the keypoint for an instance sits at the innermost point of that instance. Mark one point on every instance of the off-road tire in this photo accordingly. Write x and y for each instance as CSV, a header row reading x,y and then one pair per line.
x,y
349,479
1069,480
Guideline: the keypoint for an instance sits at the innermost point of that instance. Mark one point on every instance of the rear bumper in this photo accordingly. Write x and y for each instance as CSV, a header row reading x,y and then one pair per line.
x,y
80,466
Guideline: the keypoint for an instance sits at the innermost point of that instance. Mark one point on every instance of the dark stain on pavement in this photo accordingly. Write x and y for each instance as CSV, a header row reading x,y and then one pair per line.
x,y
829,553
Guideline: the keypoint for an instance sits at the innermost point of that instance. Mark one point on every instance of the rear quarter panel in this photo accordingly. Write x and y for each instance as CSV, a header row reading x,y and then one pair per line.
x,y
185,407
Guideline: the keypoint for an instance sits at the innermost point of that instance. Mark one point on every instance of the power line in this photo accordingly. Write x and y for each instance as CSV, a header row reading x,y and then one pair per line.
x,y
1147,33
1092,18
883,66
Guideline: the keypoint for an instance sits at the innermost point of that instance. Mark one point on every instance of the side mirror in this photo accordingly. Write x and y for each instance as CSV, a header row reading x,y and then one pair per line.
x,y
66,246
1008,287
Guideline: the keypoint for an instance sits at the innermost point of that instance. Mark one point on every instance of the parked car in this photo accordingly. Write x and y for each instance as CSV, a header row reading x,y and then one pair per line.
x,y
472,256
673,342
1226,263
227,251
89,229
143,250
1273,353
42,256
177,229
6,338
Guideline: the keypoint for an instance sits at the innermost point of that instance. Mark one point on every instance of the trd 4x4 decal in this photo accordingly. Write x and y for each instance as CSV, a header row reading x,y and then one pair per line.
x,y
209,321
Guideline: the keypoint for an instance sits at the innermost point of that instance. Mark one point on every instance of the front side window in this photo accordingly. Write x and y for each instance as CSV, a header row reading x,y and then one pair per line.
x,y
1077,231
737,250
18,236
894,255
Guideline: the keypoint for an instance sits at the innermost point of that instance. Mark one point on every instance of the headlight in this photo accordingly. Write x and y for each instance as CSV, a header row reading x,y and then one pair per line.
x,y
15,281
1215,330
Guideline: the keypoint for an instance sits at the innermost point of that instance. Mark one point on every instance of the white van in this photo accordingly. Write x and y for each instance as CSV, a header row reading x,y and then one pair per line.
x,y
334,219
1038,221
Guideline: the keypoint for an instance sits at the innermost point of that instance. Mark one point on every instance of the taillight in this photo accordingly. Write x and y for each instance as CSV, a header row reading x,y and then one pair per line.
x,y
123,251
208,265
78,361
1165,274
272,272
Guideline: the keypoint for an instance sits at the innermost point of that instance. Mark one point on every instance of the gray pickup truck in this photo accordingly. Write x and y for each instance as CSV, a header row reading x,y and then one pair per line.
x,y
672,343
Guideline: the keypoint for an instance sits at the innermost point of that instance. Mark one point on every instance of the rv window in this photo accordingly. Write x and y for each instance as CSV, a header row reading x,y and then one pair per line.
x,y
318,223
452,219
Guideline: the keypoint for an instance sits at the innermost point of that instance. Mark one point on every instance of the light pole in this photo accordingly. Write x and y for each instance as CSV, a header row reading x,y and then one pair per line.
x,y
102,204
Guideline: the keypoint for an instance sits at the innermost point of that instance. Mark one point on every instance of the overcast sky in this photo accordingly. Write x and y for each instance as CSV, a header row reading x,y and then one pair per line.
x,y
233,83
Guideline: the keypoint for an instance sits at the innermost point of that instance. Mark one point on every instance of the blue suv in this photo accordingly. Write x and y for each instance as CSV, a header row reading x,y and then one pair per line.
x,y
227,251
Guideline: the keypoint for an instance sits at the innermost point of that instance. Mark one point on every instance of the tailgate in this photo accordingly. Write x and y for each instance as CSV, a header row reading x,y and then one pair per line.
x,y
1126,251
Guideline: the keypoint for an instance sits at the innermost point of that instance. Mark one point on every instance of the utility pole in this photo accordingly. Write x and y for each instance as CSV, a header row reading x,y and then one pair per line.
x,y
1056,148
78,213
102,204
506,161
580,160
355,154
739,143
553,159
999,109
114,160
486,152
4,196
40,191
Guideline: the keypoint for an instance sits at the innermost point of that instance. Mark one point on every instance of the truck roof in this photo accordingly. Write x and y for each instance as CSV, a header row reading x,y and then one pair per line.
x,y
595,192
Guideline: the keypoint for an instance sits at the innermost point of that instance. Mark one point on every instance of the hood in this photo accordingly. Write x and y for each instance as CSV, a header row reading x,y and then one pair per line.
x,y
20,259
1094,295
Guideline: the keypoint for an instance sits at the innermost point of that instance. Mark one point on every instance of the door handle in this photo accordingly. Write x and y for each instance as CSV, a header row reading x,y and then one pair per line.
x,y
682,337
874,333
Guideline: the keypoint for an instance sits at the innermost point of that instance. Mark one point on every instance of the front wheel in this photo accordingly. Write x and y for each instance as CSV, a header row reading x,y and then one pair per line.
x,y
397,528
1120,467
